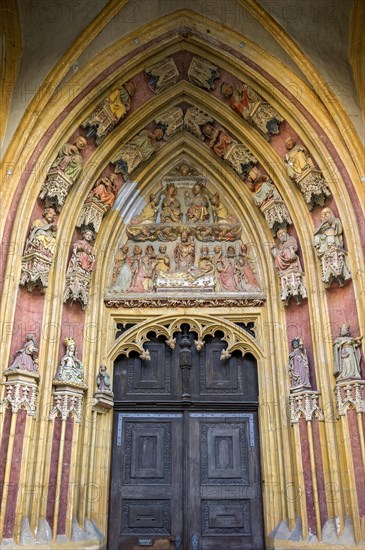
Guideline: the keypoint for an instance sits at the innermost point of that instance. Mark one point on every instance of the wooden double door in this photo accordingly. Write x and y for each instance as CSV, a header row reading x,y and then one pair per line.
x,y
185,474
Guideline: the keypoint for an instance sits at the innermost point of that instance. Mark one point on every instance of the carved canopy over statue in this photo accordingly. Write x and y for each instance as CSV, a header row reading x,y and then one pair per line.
x,y
184,240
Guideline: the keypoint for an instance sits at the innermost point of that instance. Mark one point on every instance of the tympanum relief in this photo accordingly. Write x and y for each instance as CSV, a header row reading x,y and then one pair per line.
x,y
186,242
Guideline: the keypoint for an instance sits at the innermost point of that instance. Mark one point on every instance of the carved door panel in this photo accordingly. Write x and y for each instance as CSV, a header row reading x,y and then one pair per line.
x,y
223,478
147,486
185,481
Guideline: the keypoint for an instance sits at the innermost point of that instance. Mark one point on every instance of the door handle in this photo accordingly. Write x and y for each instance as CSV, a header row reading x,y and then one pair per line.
x,y
195,542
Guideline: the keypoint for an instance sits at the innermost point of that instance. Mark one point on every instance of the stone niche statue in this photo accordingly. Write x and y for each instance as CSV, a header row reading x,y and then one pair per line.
x,y
253,108
39,251
328,243
70,369
64,172
107,115
26,358
103,381
347,355
288,266
298,366
268,199
202,73
162,75
100,199
300,167
137,150
79,270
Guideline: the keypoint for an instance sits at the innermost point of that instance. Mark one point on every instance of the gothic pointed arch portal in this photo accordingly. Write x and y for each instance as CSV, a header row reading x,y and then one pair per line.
x,y
189,181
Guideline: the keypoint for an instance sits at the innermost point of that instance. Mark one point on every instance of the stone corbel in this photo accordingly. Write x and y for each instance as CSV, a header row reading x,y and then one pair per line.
x,y
305,404
103,402
67,401
21,391
350,394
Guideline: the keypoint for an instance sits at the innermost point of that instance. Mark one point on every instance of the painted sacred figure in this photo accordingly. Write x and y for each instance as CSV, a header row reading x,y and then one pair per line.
x,y
42,237
185,238
26,357
70,369
69,160
103,381
298,366
347,355
297,160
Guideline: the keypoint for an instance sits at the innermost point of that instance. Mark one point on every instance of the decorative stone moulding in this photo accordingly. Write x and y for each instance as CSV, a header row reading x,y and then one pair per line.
x,y
350,394
305,404
21,388
292,286
313,187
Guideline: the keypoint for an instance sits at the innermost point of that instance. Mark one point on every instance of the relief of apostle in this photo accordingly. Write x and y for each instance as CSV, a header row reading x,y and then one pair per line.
x,y
285,256
184,253
219,140
241,100
347,356
83,257
105,190
296,160
69,160
42,236
262,187
329,233
107,115
198,205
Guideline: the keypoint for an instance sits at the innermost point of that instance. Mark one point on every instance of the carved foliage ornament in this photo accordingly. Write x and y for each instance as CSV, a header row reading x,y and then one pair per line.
x,y
135,338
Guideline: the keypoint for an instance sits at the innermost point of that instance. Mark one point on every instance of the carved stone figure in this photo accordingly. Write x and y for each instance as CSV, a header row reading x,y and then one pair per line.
x,y
107,115
195,119
64,172
103,381
300,167
162,75
268,199
79,270
253,108
218,139
171,121
219,211
39,250
98,202
70,369
245,276
163,260
198,205
347,355
26,358
202,73
298,366
224,271
184,253
288,266
124,278
143,269
170,212
328,243
138,149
